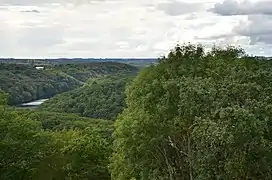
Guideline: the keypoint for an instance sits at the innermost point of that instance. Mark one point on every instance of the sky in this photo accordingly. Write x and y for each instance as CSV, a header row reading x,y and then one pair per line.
x,y
130,28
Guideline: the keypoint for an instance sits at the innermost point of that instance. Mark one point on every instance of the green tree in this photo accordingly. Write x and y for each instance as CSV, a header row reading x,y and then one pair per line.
x,y
88,156
197,115
46,145
19,145
28,152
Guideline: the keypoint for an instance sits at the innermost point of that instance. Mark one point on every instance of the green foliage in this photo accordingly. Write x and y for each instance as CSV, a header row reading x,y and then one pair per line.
x,y
49,145
18,144
197,115
74,152
102,97
60,121
88,156
3,98
83,72
24,83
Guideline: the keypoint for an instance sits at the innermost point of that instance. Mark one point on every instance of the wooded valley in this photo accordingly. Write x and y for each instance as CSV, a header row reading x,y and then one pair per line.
x,y
196,115
25,83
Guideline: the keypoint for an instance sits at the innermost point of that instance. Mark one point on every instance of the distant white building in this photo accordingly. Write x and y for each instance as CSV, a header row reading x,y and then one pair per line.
x,y
39,68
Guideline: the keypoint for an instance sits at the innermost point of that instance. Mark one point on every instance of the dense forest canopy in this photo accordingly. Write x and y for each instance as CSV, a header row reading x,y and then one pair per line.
x,y
102,97
59,121
47,145
25,83
197,115
194,116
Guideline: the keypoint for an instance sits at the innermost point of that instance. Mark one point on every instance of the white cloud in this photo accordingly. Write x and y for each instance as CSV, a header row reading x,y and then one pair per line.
x,y
246,7
113,28
257,28
176,8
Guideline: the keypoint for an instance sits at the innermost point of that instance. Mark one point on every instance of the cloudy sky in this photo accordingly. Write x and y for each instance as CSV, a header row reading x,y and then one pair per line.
x,y
130,28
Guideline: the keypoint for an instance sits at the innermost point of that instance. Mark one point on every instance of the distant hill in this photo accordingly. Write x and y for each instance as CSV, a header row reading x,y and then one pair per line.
x,y
133,61
102,97
25,83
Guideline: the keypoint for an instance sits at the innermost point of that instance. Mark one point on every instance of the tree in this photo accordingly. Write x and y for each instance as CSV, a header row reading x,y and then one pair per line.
x,y
44,145
19,146
197,115
88,157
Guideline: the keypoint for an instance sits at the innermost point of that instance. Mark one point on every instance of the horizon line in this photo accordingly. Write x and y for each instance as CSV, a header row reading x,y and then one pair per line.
x,y
40,58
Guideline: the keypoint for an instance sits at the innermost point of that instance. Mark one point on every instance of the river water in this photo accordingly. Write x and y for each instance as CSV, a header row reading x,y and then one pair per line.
x,y
34,103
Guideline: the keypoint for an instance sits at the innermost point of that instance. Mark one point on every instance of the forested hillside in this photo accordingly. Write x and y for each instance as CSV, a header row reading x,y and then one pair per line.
x,y
46,145
102,97
194,116
60,121
24,83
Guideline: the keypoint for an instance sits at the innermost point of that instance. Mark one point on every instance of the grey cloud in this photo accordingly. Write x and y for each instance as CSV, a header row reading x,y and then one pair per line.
x,y
31,11
259,30
5,43
201,25
41,37
220,40
3,8
176,8
192,16
39,2
23,2
259,26
260,50
232,7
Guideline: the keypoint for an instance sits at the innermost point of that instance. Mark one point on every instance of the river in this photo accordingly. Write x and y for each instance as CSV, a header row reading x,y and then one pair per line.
x,y
33,103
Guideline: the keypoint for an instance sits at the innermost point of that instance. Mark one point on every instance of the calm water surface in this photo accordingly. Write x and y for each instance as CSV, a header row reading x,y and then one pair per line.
x,y
34,103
